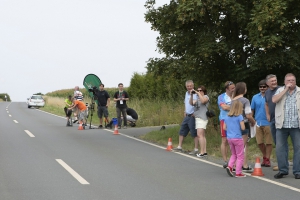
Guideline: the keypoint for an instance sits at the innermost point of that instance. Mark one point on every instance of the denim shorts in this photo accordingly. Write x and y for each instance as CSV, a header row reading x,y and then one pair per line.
x,y
247,129
188,125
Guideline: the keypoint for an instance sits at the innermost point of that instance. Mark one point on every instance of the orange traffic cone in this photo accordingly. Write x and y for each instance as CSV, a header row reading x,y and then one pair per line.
x,y
116,132
169,147
80,127
257,169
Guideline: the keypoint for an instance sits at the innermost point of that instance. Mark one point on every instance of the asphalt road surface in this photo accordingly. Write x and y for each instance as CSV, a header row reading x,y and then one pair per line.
x,y
41,159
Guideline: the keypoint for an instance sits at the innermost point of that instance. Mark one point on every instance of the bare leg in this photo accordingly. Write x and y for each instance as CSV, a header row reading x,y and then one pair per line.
x,y
224,148
180,140
269,148
245,138
196,141
262,148
202,140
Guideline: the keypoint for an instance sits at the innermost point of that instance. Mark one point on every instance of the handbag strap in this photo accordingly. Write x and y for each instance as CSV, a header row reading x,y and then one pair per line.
x,y
206,105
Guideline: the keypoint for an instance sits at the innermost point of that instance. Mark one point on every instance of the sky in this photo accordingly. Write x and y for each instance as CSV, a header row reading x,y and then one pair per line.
x,y
51,45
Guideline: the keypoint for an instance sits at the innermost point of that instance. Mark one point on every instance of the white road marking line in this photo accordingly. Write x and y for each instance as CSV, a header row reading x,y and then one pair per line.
x,y
29,133
16,121
72,172
7,111
277,183
9,115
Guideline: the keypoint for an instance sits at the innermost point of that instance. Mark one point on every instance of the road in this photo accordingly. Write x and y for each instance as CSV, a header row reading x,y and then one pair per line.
x,y
41,159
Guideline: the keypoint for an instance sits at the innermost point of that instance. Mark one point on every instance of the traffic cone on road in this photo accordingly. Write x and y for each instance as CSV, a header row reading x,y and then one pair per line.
x,y
116,132
169,147
80,127
257,168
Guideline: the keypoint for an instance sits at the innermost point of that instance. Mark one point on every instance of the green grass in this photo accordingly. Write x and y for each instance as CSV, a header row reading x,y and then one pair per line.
x,y
213,140
158,113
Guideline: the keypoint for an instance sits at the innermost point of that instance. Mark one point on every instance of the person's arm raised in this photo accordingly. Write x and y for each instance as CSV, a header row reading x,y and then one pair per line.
x,y
278,96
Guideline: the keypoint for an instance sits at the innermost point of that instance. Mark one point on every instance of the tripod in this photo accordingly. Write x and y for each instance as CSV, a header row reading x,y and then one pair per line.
x,y
92,109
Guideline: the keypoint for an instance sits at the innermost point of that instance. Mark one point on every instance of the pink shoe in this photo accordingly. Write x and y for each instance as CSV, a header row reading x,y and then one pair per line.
x,y
240,175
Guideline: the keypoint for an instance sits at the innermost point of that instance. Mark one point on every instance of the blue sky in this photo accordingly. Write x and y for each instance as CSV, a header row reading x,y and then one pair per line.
x,y
53,44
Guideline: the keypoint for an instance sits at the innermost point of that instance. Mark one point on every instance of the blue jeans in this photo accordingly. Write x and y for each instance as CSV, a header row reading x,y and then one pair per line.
x,y
273,130
282,149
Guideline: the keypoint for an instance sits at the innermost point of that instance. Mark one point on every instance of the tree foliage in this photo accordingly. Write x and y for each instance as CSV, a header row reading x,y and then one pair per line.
x,y
2,96
150,86
212,41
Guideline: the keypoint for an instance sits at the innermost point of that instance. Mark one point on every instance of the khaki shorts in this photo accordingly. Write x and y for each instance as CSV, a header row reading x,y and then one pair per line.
x,y
263,134
82,115
200,123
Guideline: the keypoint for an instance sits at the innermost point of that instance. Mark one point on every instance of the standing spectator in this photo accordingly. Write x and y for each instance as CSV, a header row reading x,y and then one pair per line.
x,y
224,101
287,113
68,104
188,124
270,106
103,103
263,132
120,98
77,96
234,124
200,108
238,94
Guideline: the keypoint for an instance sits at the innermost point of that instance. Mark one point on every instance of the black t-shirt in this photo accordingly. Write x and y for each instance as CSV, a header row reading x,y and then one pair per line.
x,y
268,96
102,97
122,94
132,113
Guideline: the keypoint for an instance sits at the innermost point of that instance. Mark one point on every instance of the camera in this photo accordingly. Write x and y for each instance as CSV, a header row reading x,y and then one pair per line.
x,y
93,89
193,92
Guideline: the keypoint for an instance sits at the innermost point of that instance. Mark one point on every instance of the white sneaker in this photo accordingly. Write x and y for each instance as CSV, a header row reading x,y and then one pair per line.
x,y
193,152
177,149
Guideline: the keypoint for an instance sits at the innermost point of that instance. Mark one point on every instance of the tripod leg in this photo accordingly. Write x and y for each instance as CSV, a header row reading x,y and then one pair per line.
x,y
91,118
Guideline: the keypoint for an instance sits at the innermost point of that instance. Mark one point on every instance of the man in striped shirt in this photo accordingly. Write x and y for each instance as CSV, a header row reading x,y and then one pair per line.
x,y
77,96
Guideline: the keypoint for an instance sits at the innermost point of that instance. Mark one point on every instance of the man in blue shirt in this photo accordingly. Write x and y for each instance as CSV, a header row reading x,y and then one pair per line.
x,y
188,124
263,131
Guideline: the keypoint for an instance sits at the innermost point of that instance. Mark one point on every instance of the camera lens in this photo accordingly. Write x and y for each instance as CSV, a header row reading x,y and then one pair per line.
x,y
193,92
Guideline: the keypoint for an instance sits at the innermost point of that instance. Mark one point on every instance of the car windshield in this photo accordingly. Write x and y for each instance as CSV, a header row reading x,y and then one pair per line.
x,y
36,97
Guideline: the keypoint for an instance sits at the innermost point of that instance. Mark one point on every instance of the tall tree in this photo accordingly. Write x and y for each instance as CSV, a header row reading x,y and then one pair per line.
x,y
212,41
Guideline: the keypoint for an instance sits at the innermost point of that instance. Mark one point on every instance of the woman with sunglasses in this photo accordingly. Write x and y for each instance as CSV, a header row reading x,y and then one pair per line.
x,y
200,108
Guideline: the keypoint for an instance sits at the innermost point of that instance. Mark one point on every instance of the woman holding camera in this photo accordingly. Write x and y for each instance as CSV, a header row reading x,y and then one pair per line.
x,y
200,108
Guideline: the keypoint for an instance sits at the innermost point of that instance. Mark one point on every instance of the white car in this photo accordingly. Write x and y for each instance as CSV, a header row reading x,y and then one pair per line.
x,y
36,101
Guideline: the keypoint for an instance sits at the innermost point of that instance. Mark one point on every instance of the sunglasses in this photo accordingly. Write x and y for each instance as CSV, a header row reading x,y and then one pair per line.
x,y
199,90
262,86
230,83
